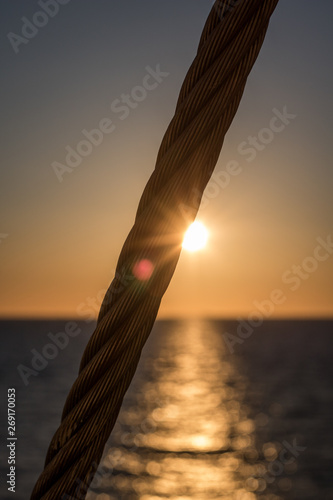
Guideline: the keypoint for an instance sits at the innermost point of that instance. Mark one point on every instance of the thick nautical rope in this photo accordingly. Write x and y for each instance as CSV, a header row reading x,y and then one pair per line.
x,y
208,100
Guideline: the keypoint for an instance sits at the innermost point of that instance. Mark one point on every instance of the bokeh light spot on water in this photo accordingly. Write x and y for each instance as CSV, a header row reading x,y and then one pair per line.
x,y
201,442
252,484
270,451
261,485
153,468
143,269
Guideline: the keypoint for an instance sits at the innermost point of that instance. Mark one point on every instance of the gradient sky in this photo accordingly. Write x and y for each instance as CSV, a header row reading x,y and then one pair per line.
x,y
59,241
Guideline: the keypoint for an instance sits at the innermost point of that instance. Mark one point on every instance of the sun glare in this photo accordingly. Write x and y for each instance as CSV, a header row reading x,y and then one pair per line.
x,y
195,237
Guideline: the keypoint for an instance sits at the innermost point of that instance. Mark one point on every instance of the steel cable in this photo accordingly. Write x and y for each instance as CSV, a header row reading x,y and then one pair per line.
x,y
208,100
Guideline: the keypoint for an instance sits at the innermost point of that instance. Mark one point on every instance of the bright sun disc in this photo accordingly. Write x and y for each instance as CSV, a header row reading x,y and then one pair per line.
x,y
195,237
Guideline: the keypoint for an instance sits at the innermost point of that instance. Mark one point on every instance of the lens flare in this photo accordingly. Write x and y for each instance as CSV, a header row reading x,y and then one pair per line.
x,y
195,237
143,269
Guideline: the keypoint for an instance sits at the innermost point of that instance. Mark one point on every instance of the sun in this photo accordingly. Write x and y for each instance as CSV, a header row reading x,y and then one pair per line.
x,y
195,237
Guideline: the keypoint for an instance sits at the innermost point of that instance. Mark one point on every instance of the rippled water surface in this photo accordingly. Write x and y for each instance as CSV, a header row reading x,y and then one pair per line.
x,y
199,421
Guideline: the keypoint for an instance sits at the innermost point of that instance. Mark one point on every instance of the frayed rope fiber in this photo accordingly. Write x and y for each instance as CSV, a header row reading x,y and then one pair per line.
x,y
208,100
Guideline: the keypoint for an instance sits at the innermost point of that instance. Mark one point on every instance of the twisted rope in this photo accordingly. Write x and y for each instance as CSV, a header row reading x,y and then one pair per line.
x,y
208,100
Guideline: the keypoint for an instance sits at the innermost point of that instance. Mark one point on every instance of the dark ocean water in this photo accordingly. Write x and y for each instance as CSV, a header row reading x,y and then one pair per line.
x,y
199,421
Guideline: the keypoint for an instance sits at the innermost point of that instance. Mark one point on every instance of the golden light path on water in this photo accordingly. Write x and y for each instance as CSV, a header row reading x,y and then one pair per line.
x,y
183,432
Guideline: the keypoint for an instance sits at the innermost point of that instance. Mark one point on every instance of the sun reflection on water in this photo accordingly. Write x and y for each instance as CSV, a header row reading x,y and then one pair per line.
x,y
184,430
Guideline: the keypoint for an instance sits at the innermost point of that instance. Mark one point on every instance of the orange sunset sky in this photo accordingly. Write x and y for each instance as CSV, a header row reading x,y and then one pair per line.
x,y
268,208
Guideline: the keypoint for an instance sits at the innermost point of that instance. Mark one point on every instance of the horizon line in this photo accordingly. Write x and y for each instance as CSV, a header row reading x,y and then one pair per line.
x,y
236,317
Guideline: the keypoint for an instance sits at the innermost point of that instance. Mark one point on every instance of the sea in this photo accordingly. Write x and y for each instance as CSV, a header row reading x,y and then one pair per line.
x,y
218,409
